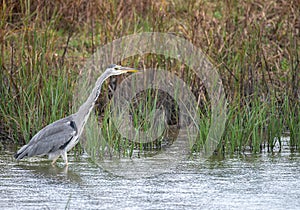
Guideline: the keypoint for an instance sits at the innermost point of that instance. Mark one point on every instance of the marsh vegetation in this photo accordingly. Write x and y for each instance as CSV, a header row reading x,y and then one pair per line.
x,y
255,46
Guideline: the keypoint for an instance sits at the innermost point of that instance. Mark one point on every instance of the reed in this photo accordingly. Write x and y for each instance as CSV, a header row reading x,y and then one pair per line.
x,y
255,46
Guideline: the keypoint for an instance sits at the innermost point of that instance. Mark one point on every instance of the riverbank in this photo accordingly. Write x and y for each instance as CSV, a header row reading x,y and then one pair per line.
x,y
256,47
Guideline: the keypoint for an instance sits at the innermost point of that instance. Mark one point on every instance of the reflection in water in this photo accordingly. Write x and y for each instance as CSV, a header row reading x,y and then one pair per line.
x,y
46,170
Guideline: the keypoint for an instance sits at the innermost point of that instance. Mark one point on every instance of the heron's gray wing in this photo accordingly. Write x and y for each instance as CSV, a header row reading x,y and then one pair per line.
x,y
51,138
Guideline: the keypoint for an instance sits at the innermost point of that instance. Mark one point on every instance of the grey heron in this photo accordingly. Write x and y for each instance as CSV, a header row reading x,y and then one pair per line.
x,y
59,137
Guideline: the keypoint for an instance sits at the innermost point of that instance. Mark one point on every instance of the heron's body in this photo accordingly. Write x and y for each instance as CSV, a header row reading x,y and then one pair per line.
x,y
59,137
53,140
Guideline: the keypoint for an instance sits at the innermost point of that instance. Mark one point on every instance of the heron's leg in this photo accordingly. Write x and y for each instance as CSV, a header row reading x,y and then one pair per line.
x,y
54,160
65,157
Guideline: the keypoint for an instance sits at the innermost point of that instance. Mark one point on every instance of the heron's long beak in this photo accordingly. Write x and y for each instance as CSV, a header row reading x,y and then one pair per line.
x,y
127,69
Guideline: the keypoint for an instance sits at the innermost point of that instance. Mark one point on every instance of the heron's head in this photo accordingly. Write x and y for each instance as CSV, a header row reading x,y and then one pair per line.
x,y
114,69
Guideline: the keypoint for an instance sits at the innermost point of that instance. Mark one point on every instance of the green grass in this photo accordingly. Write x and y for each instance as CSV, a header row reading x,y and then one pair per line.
x,y
35,90
255,46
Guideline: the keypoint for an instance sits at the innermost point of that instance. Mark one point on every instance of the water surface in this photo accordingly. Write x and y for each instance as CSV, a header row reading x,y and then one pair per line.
x,y
245,181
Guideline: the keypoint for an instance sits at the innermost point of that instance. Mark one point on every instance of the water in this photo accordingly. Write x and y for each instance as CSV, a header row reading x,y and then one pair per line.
x,y
263,181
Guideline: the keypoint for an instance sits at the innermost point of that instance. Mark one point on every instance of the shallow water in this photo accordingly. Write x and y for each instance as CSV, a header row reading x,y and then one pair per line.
x,y
263,181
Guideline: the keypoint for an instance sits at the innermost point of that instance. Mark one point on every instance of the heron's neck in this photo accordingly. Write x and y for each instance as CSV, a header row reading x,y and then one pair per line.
x,y
86,108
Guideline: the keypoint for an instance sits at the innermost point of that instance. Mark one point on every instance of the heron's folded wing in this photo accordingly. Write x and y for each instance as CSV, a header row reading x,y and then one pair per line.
x,y
52,137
